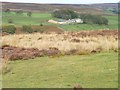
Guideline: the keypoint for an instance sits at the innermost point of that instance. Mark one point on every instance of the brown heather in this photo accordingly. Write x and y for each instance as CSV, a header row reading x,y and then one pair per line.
x,y
78,42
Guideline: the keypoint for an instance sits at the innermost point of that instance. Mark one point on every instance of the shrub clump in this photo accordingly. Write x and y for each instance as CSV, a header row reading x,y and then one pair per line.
x,y
10,29
27,29
41,24
10,21
29,14
7,10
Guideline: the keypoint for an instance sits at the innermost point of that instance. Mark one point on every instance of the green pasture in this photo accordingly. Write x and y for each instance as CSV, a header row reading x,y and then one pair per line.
x,y
113,24
38,18
90,71
23,19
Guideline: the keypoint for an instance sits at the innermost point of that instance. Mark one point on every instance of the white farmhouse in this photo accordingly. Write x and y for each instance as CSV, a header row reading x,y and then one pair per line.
x,y
70,21
79,20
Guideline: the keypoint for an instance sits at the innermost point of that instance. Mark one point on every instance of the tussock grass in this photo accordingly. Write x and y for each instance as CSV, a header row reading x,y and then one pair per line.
x,y
63,42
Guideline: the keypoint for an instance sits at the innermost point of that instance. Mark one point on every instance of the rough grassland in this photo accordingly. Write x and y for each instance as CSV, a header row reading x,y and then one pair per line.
x,y
65,41
90,71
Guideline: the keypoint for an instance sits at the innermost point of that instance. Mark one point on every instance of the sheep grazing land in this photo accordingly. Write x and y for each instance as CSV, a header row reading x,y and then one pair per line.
x,y
79,51
89,71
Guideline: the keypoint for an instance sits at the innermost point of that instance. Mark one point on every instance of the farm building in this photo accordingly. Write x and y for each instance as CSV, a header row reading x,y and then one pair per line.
x,y
53,21
66,21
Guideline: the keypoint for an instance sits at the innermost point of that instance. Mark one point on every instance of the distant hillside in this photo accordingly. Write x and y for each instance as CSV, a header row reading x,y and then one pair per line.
x,y
81,8
105,5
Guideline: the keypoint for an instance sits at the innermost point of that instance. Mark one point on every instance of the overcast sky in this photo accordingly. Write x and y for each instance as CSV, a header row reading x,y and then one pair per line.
x,y
64,1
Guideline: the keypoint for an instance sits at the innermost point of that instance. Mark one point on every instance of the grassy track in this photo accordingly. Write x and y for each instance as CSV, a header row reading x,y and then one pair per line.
x,y
90,71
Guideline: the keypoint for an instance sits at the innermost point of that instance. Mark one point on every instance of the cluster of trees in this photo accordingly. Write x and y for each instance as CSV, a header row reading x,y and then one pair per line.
x,y
87,18
19,12
65,14
94,19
